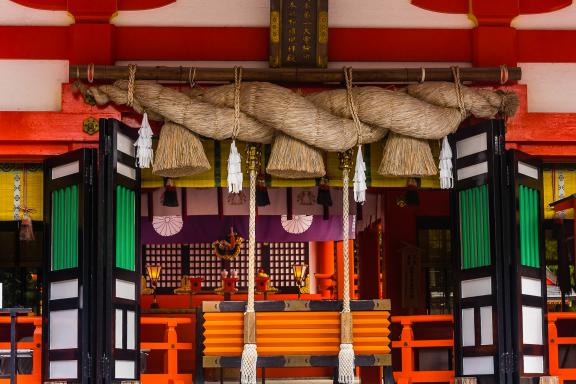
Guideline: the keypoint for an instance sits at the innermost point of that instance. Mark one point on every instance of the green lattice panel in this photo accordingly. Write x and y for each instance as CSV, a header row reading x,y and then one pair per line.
x,y
474,227
65,228
125,228
529,241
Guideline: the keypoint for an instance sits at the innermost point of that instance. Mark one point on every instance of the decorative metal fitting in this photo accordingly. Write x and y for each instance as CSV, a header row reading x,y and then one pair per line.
x,y
346,159
253,157
90,125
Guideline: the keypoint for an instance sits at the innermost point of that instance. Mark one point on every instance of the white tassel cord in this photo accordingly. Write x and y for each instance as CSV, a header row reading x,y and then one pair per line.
x,y
360,178
248,369
144,153
346,364
346,353
446,178
235,176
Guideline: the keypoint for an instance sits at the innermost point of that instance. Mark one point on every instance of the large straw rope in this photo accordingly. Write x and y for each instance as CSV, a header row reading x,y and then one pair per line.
x,y
322,119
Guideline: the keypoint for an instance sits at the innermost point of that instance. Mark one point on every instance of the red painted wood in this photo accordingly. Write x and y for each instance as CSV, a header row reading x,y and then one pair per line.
x,y
123,5
380,44
442,6
461,6
552,46
138,5
538,6
551,136
91,43
182,43
488,54
38,42
36,135
251,44
50,5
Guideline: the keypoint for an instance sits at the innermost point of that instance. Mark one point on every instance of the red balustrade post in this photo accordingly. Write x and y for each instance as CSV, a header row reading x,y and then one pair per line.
x,y
553,347
172,351
37,350
406,338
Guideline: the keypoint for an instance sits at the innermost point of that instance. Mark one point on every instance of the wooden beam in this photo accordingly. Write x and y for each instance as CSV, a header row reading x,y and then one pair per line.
x,y
294,75
296,305
296,361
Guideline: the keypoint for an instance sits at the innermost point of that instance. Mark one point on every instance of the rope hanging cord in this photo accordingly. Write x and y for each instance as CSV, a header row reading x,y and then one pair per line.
x,y
249,359
346,353
252,239
131,84
360,169
235,176
237,84
345,240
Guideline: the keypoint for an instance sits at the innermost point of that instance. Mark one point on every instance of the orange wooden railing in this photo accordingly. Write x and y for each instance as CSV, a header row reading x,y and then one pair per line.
x,y
35,346
171,345
554,341
408,346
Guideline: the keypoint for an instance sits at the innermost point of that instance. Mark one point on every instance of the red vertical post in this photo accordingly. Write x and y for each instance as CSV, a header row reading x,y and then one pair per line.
x,y
325,268
368,242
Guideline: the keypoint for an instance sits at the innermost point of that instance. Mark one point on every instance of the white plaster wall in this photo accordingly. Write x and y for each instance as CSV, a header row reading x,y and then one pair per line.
x,y
551,86
255,13
562,19
15,14
32,85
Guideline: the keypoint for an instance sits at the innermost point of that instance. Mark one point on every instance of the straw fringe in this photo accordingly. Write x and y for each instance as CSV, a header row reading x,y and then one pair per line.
x,y
292,159
179,153
407,156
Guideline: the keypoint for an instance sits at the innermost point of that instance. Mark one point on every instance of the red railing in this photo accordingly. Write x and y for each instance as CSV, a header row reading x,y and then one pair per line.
x,y
35,346
408,346
554,342
171,346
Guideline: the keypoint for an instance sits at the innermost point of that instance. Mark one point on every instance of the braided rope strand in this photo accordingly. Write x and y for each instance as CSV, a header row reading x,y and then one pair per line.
x,y
237,85
345,235
251,242
131,84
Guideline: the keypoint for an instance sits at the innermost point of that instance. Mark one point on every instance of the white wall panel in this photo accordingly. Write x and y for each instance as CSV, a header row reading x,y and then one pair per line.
x,y
31,85
561,19
16,14
255,13
544,80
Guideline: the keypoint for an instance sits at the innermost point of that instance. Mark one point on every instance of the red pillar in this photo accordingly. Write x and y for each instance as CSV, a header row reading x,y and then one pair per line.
x,y
325,268
368,242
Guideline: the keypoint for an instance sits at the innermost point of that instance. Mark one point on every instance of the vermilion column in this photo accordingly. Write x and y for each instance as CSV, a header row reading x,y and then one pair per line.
x,y
325,268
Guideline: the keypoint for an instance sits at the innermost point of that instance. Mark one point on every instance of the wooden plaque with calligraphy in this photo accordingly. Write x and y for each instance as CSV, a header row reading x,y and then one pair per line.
x,y
298,33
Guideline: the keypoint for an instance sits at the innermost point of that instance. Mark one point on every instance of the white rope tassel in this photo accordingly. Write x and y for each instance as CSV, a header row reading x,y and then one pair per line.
x,y
144,152
248,370
360,178
248,366
346,353
346,364
235,176
446,178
